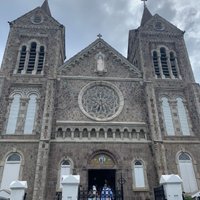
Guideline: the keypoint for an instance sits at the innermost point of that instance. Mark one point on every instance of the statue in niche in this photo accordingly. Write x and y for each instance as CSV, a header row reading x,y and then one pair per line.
x,y
100,66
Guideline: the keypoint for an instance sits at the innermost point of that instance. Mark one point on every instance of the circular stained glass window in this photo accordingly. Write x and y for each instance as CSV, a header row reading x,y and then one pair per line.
x,y
101,101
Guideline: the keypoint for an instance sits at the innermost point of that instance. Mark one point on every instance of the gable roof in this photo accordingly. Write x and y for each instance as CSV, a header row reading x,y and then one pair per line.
x,y
100,42
44,9
150,25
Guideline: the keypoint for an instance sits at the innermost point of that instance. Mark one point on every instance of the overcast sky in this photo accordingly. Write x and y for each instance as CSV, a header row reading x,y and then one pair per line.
x,y
84,19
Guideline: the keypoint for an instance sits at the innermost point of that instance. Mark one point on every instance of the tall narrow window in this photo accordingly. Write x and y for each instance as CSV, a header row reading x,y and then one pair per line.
x,y
156,64
40,60
183,117
163,57
11,170
167,117
13,115
22,59
187,173
30,115
65,169
173,65
32,58
138,174
165,67
32,61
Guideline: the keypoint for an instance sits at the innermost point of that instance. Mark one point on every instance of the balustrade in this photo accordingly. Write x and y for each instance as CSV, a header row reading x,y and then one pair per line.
x,y
99,133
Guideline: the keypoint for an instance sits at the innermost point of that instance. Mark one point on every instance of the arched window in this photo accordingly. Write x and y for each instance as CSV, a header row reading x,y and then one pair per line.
x,y
32,58
76,133
40,60
163,58
173,65
167,117
85,133
30,114
65,169
165,66
93,133
187,173
32,62
13,115
109,133
11,170
138,174
60,132
101,133
117,133
182,117
156,64
68,133
22,59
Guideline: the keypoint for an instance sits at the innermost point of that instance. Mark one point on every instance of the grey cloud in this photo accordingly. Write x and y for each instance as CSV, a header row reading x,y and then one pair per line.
x,y
164,8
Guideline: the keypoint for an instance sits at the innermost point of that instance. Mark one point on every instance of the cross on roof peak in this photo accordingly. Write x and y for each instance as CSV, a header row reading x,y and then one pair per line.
x,y
144,2
99,36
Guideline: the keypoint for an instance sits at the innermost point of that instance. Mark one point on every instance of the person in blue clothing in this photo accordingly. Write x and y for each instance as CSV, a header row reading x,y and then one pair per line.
x,y
106,193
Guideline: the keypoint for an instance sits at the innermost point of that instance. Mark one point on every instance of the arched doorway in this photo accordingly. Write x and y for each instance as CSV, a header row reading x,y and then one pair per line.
x,y
102,170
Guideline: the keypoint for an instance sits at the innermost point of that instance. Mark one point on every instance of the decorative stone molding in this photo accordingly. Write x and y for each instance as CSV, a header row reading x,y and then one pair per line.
x,y
25,92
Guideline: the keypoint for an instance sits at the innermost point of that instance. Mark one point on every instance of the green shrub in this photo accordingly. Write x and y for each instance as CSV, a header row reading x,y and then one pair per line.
x,y
188,198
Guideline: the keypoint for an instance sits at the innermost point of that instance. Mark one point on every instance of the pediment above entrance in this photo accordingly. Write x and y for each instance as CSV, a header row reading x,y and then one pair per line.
x,y
99,59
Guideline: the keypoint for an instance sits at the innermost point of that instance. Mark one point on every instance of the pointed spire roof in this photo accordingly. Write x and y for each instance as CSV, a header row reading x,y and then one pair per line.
x,y
146,15
45,7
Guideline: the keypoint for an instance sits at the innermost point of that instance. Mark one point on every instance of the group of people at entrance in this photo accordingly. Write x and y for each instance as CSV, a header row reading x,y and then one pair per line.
x,y
105,194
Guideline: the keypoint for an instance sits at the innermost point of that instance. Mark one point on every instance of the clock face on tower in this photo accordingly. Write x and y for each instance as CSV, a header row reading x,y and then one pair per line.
x,y
101,101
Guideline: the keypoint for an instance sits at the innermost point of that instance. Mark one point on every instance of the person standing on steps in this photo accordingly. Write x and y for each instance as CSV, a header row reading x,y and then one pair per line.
x,y
106,193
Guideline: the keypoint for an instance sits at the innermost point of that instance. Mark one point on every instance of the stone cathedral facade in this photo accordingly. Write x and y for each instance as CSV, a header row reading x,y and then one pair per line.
x,y
98,114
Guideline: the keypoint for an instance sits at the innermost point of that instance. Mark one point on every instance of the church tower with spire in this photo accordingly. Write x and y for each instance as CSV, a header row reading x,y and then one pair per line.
x,y
158,49
116,121
35,49
29,42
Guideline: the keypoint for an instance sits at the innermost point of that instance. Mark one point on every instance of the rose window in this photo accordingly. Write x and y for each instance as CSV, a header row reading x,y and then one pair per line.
x,y
101,101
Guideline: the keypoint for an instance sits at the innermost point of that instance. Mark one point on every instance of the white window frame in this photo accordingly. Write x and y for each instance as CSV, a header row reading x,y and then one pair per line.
x,y
187,173
30,115
8,170
183,117
135,168
60,174
167,117
13,114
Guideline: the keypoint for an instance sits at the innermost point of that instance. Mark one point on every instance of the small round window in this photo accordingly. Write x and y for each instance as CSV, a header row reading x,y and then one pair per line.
x,y
158,25
37,19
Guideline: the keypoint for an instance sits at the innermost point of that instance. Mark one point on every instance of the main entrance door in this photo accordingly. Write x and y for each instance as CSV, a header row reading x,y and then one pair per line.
x,y
99,177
